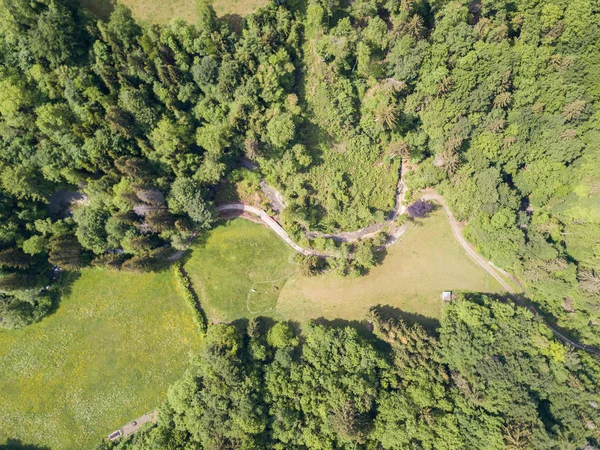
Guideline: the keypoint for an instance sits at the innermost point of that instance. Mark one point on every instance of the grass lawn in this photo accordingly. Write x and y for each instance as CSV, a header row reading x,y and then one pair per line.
x,y
414,273
155,11
236,257
239,256
105,357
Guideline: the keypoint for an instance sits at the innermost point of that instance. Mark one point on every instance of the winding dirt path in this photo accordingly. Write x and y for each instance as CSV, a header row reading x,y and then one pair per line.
x,y
493,271
372,230
271,223
344,236
469,249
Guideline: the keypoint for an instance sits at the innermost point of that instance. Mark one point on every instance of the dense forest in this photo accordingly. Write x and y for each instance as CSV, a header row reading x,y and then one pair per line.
x,y
491,102
492,379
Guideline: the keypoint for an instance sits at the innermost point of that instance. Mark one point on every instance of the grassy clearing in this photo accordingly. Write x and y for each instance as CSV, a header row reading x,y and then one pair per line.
x,y
105,357
414,273
236,257
160,12
240,256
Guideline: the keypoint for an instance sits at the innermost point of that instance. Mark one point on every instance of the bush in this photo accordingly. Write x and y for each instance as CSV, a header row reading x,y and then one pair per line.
x,y
310,265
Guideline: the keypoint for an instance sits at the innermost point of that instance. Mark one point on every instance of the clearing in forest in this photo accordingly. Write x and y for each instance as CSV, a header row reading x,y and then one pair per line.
x,y
107,355
163,11
347,181
426,261
243,270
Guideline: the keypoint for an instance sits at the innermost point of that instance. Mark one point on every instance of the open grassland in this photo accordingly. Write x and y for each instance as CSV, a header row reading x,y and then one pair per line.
x,y
105,357
243,270
234,258
411,278
160,12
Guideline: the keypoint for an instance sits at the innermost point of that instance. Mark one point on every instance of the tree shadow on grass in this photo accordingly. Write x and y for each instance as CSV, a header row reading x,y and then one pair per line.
x,y
235,20
17,444
312,135
361,326
102,9
435,207
364,328
62,287
198,242
241,325
389,312
379,256
263,324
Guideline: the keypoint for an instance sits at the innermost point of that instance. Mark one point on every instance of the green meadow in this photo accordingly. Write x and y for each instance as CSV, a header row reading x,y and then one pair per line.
x,y
103,358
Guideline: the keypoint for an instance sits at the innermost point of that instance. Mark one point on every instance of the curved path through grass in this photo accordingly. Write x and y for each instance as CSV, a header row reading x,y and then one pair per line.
x,y
371,230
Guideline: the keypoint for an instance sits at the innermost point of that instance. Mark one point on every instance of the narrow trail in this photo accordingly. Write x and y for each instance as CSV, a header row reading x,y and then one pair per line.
x,y
372,230
344,236
271,223
493,271
471,252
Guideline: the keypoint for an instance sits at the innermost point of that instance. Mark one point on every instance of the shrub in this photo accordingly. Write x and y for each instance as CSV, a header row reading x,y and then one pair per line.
x,y
310,265
420,208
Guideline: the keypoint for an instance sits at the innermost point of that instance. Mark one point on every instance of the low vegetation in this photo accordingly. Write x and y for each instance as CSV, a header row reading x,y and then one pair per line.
x,y
103,358
153,12
185,286
411,278
238,270
243,270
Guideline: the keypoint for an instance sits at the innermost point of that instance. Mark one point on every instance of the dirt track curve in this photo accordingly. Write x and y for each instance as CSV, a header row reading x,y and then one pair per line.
x,y
371,230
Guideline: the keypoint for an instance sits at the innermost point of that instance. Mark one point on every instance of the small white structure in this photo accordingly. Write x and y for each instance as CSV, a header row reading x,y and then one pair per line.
x,y
447,296
115,435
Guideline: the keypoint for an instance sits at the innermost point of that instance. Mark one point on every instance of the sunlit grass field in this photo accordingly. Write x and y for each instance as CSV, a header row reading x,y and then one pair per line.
x,y
162,11
240,256
105,357
414,273
235,258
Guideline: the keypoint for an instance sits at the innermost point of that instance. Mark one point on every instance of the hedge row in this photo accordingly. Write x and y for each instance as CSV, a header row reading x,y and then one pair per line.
x,y
186,286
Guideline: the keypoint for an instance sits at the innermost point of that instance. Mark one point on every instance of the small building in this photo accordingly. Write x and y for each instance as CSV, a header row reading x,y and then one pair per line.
x,y
115,435
447,296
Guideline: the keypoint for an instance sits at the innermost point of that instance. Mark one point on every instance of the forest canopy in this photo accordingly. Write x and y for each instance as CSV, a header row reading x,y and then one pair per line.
x,y
491,102
494,378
